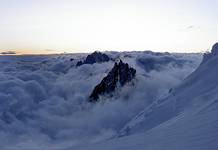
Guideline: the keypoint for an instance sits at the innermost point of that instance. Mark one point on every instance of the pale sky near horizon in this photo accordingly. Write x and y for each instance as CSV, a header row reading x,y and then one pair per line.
x,y
55,26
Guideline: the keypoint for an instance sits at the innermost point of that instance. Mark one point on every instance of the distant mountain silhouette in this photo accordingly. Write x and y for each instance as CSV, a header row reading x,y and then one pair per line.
x,y
96,57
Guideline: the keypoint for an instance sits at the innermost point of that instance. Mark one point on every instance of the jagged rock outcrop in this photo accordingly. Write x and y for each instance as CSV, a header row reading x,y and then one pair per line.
x,y
120,74
96,57
214,52
215,48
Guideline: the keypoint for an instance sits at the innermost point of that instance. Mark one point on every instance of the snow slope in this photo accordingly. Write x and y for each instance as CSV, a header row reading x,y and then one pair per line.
x,y
192,131
184,119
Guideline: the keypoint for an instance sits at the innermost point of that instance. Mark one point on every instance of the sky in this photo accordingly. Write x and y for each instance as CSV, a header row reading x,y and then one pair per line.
x,y
75,26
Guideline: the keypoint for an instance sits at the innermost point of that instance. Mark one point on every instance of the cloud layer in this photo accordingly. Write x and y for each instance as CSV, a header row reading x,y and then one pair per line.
x,y
43,99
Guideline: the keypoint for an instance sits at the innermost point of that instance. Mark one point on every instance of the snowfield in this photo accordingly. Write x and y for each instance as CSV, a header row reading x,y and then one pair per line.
x,y
44,103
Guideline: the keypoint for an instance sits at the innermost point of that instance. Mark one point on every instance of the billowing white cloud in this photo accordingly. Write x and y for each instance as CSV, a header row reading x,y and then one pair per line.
x,y
43,99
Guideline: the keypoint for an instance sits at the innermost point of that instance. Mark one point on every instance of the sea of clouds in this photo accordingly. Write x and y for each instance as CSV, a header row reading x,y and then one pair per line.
x,y
44,99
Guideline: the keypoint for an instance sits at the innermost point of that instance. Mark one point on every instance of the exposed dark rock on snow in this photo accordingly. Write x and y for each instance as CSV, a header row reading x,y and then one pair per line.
x,y
96,57
121,73
215,48
79,63
214,52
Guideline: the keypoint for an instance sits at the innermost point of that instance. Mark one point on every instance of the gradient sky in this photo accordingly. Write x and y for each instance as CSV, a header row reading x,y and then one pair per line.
x,y
51,26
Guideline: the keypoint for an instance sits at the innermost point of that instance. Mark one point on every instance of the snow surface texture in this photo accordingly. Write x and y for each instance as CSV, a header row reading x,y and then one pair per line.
x,y
185,119
44,99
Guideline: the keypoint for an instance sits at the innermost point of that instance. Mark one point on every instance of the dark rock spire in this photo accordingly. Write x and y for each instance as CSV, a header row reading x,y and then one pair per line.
x,y
121,73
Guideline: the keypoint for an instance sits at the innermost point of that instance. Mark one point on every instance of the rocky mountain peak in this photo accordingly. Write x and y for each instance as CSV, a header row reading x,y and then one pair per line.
x,y
215,48
213,53
96,57
120,74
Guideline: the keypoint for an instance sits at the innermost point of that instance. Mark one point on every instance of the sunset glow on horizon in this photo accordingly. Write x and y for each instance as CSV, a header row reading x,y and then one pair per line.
x,y
45,26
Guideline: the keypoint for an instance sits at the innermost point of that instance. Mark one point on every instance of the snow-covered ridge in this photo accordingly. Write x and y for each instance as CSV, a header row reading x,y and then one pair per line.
x,y
201,81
